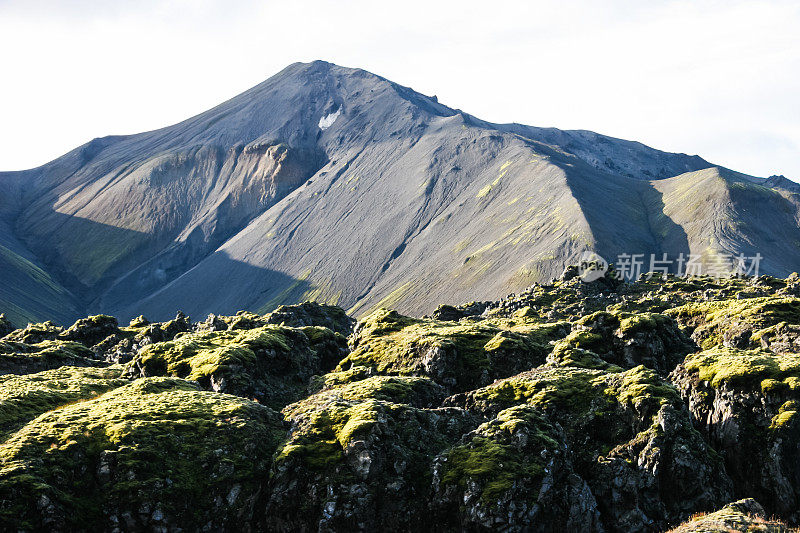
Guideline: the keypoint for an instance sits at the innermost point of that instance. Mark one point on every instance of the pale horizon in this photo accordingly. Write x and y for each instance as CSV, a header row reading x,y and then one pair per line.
x,y
716,79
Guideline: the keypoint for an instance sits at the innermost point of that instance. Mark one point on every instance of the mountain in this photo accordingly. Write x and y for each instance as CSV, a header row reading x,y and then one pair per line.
x,y
335,184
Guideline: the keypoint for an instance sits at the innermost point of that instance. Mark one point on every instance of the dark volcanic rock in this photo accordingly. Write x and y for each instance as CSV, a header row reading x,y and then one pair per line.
x,y
747,404
5,326
271,364
91,330
313,314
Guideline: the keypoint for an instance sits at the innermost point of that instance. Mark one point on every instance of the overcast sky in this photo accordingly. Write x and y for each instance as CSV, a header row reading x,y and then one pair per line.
x,y
718,79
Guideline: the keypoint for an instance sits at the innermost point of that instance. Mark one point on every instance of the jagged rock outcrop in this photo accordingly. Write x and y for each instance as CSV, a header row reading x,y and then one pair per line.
x,y
459,356
270,364
6,326
512,473
313,314
627,340
746,402
630,439
742,323
358,456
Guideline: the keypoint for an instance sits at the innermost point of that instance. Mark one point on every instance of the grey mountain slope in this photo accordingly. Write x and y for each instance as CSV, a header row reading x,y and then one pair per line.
x,y
617,156
398,200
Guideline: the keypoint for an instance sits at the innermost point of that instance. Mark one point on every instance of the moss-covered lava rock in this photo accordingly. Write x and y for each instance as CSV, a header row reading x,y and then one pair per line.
x,y
359,456
22,358
570,406
313,314
737,323
155,454
747,403
270,364
34,333
23,398
457,355
630,439
91,330
512,473
627,340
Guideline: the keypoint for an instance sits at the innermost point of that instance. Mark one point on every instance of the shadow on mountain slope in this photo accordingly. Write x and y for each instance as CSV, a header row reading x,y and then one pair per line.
x,y
625,216
100,245
669,237
221,294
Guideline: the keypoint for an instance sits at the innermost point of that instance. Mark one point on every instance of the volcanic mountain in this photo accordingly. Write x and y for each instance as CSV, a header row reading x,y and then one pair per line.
x,y
335,184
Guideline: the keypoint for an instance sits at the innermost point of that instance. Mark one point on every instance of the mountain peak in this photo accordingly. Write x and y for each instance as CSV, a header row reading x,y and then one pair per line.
x,y
332,183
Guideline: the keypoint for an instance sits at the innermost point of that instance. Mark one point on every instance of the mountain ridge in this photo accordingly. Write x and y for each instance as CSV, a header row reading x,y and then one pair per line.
x,y
253,203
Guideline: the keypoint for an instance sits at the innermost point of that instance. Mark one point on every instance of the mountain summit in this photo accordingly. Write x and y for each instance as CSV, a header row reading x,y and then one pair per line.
x,y
335,184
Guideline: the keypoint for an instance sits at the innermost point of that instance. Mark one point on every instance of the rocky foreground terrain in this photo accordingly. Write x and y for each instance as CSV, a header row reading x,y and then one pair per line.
x,y
571,406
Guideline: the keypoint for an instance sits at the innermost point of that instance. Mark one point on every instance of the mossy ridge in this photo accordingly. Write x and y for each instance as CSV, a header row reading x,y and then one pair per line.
x,y
460,355
34,333
746,368
599,409
571,299
736,323
777,376
323,432
21,358
23,398
91,330
312,314
270,363
337,415
157,444
624,340
417,391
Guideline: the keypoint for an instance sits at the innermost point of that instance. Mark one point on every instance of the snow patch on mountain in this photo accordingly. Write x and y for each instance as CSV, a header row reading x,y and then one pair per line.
x,y
328,120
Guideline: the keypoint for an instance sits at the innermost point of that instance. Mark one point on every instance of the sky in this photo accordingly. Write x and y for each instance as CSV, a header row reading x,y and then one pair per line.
x,y
720,79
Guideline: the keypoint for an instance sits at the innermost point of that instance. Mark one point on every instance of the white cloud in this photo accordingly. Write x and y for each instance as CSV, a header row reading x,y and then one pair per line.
x,y
716,78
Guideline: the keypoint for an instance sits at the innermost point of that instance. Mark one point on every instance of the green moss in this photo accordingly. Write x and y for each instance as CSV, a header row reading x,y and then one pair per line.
x,y
393,344
159,440
34,333
600,410
23,398
636,323
747,368
22,358
542,388
326,424
641,385
718,322
494,459
419,391
197,356
269,363
567,355
787,415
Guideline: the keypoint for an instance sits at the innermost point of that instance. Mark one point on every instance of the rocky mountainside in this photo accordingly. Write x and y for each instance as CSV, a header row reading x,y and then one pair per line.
x,y
334,184
570,406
